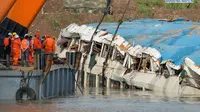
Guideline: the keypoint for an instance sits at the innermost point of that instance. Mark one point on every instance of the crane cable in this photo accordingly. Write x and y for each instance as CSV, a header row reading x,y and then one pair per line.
x,y
109,47
97,27
90,42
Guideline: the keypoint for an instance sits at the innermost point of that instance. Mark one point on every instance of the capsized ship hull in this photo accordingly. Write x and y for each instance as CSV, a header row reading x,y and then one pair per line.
x,y
153,61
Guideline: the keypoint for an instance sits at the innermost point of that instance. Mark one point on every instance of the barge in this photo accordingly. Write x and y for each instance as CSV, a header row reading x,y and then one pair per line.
x,y
58,80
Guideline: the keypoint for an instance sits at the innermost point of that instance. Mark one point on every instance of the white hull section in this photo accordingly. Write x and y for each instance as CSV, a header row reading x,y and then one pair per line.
x,y
154,82
149,80
114,71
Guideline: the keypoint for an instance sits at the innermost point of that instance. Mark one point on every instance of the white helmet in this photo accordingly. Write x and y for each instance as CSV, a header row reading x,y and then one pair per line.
x,y
25,35
10,34
16,36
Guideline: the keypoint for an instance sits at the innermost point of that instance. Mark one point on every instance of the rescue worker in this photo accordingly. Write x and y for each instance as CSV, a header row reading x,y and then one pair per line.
x,y
25,50
37,46
16,50
30,55
49,45
7,48
12,39
13,35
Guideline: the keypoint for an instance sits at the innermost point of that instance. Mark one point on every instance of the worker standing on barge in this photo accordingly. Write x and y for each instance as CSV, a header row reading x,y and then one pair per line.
x,y
31,52
12,41
7,48
16,50
49,45
37,46
25,50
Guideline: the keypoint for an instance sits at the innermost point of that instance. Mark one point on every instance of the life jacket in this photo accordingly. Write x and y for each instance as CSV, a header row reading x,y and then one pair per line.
x,y
6,41
24,44
37,43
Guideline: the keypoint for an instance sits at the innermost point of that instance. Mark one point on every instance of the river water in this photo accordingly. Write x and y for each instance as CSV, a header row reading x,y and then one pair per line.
x,y
112,100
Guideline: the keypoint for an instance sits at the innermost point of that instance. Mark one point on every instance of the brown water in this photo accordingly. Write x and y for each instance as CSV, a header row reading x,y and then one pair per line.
x,y
113,100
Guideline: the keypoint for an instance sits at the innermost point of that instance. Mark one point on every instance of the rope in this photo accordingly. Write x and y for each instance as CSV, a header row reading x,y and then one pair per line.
x,y
97,27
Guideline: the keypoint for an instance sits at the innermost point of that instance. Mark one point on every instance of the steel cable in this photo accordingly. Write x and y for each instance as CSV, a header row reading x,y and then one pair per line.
x,y
109,48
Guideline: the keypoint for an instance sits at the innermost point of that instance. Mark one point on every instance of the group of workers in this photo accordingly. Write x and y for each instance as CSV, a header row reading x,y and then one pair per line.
x,y
26,48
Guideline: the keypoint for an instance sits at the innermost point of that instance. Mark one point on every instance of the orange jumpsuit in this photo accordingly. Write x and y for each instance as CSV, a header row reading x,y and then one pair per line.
x,y
16,50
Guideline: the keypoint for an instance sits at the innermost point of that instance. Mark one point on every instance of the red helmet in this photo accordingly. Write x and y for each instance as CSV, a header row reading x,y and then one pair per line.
x,y
47,36
37,34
